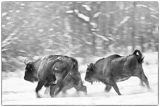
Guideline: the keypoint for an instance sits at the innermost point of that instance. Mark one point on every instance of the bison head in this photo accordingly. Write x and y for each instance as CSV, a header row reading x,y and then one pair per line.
x,y
90,73
59,68
30,72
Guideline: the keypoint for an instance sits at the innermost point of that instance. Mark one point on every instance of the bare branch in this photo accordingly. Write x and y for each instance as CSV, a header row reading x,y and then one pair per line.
x,y
100,36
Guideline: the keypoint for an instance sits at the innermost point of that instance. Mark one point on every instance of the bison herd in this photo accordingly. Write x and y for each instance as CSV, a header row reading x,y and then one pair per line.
x,y
60,73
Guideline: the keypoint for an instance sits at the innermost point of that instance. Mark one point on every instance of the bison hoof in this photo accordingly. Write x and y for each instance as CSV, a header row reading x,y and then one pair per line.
x,y
108,88
149,89
52,95
142,84
85,93
38,96
119,94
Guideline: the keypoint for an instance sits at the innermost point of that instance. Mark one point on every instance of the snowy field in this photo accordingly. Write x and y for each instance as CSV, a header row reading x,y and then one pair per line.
x,y
17,91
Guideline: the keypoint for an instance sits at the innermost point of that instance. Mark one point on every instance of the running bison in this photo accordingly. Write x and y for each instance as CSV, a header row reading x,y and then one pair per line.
x,y
66,80
43,71
116,68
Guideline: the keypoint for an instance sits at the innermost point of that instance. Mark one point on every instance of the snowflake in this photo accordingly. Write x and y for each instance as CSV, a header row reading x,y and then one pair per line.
x,y
4,14
142,18
9,23
86,7
17,11
11,11
22,4
124,20
86,18
8,18
40,30
76,11
46,6
97,14
3,26
69,11
25,21
94,25
51,29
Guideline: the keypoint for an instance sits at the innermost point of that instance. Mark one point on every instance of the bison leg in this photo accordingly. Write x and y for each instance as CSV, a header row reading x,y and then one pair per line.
x,y
113,83
144,79
108,88
81,88
39,86
47,90
110,81
57,88
64,92
52,90
142,83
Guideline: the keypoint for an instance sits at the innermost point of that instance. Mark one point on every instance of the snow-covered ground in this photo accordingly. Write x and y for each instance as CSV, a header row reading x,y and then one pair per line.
x,y
17,91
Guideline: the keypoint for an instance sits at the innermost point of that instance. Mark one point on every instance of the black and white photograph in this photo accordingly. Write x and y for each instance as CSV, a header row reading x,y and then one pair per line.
x,y
79,53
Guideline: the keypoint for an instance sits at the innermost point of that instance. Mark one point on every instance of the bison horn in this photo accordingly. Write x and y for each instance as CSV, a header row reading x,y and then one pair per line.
x,y
27,60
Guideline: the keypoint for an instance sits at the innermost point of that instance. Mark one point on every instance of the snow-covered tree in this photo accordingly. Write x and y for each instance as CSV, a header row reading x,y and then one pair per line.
x,y
76,28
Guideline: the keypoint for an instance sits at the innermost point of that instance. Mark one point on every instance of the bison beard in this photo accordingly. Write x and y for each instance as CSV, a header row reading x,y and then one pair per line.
x,y
41,70
116,68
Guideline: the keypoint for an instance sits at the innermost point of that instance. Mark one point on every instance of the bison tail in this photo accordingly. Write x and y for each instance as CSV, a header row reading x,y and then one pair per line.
x,y
138,55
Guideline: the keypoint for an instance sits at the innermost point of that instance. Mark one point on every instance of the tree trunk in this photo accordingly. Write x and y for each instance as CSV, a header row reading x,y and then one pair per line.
x,y
142,42
133,40
93,44
133,34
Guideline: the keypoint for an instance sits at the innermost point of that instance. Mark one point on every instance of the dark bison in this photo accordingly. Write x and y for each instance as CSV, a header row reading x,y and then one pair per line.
x,y
66,80
43,71
116,68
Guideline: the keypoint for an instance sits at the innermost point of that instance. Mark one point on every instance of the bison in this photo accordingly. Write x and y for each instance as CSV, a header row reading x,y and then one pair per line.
x,y
66,77
116,68
68,83
41,70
